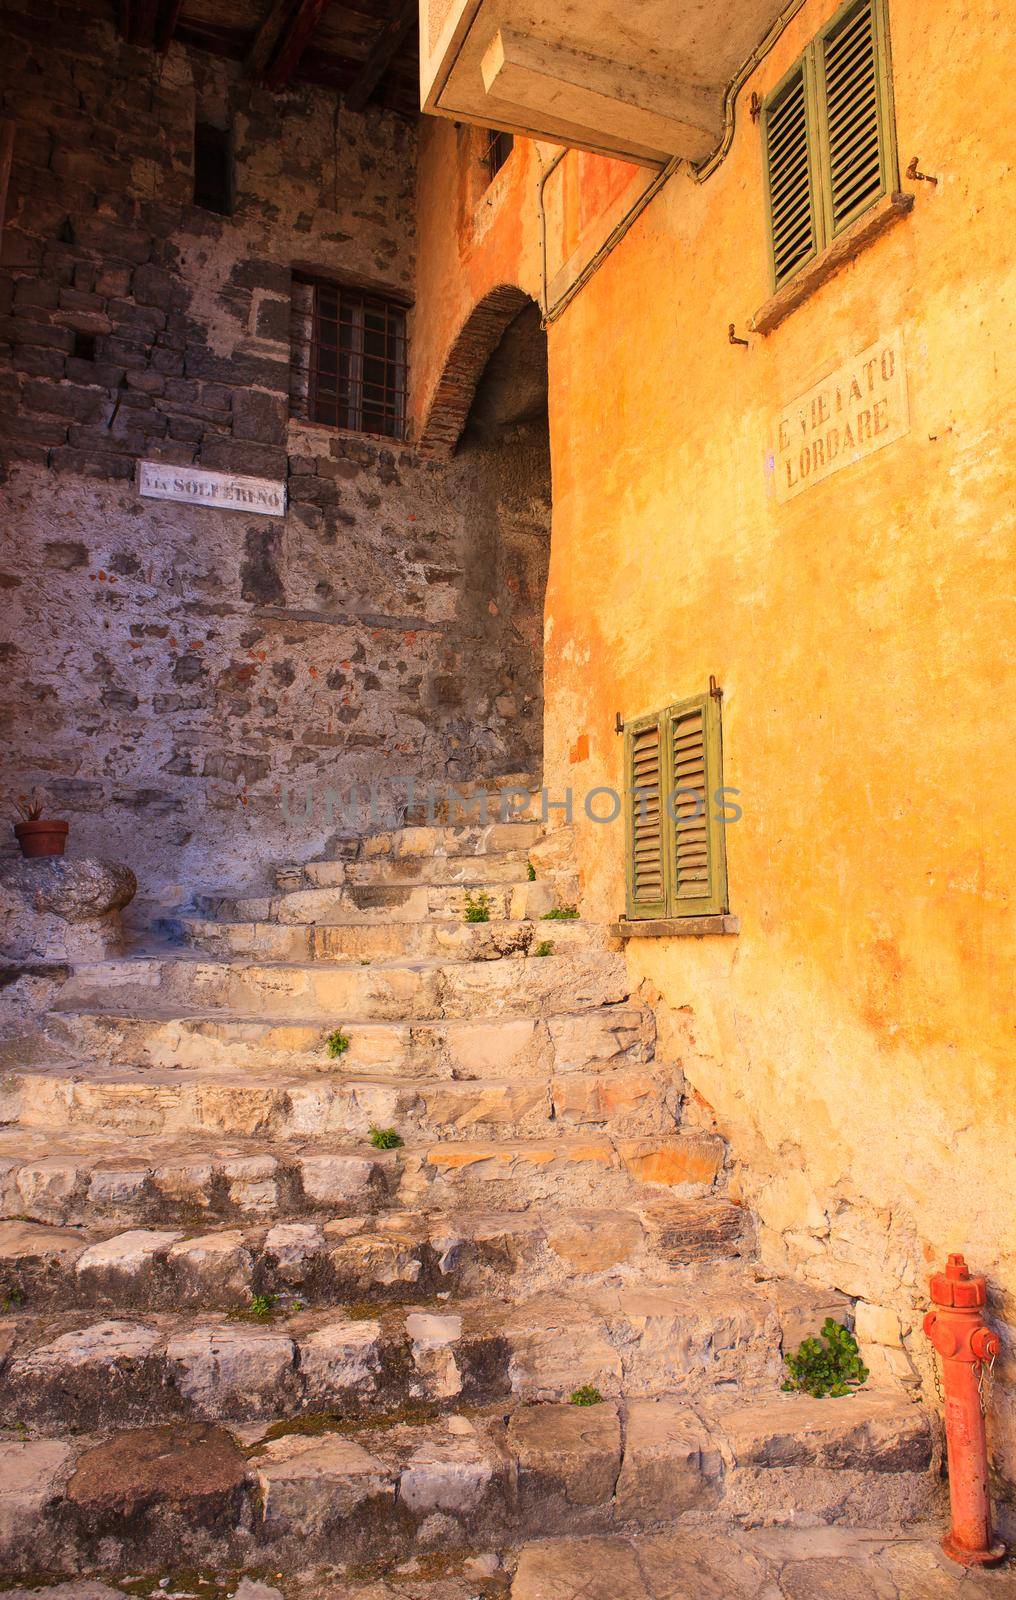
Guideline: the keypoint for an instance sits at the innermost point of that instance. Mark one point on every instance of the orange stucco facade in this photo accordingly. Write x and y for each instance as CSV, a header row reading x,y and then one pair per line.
x,y
854,1039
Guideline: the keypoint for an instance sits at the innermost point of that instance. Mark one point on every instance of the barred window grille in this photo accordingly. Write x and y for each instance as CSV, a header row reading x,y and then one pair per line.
x,y
348,358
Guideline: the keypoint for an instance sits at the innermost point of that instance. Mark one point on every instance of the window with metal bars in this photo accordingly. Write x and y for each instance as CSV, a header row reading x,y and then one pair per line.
x,y
348,358
828,137
674,810
497,149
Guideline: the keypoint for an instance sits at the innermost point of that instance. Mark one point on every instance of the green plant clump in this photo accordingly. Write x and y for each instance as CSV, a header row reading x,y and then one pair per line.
x,y
337,1043
478,907
587,1395
831,1368
261,1308
385,1138
530,872
544,948
560,914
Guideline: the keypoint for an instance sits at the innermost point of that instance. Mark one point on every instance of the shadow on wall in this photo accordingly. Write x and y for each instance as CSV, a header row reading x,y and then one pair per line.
x,y
500,478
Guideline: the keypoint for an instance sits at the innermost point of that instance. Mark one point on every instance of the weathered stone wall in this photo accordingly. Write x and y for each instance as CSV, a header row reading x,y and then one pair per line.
x,y
170,670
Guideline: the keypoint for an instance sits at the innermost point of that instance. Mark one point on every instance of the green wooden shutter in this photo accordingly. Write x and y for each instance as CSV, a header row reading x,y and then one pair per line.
x,y
829,137
790,175
644,755
852,114
697,864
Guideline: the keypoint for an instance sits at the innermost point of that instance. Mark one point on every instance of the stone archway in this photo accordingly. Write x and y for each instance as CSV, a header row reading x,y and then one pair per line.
x,y
475,342
495,424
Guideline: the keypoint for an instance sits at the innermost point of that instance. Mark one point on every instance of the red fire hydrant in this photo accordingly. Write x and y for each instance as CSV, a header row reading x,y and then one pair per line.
x,y
959,1335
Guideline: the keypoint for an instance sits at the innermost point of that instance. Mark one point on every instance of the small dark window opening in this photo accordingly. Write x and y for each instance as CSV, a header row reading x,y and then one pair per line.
x,y
84,347
498,148
356,374
213,169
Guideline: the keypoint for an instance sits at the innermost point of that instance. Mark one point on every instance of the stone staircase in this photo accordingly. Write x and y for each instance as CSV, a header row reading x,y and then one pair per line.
x,y
234,1330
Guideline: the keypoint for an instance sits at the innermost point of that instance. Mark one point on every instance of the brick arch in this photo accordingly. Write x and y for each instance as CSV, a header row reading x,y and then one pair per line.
x,y
474,344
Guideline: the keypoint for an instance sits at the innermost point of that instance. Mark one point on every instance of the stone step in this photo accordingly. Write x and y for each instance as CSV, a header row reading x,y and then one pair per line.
x,y
238,1104
86,1174
376,1492
712,1323
268,940
389,990
517,797
459,839
507,867
707,1557
372,903
602,1038
392,1257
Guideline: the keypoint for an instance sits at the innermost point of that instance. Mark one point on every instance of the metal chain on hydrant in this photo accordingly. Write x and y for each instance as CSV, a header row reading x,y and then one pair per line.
x,y
985,1381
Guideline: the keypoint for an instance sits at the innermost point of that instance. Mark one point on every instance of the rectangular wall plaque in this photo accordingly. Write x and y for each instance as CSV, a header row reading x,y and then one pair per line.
x,y
227,490
857,409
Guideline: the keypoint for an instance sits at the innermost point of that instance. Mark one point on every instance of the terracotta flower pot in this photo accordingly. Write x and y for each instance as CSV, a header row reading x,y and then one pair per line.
x,y
42,837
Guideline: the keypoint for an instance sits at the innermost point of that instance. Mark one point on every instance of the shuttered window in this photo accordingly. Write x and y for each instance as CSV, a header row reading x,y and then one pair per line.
x,y
644,763
849,65
791,187
675,844
828,137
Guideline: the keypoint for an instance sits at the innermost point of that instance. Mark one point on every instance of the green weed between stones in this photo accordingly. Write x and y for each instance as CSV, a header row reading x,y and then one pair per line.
x,y
530,872
478,907
560,914
833,1368
337,1043
385,1138
587,1395
544,948
264,1308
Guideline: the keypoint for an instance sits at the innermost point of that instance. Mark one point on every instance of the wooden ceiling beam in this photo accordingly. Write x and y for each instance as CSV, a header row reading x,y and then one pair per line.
x,y
266,40
143,14
295,39
165,28
6,162
382,53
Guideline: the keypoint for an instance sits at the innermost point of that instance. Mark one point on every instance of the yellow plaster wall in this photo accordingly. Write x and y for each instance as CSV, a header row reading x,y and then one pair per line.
x,y
855,1040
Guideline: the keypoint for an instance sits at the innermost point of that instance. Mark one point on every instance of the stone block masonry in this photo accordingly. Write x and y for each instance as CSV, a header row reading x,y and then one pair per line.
x,y
169,669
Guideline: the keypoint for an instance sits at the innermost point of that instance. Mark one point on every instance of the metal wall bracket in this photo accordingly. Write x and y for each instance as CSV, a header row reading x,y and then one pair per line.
x,y
918,176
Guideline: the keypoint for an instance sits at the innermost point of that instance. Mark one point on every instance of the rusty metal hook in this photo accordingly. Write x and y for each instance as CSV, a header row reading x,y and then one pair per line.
x,y
918,176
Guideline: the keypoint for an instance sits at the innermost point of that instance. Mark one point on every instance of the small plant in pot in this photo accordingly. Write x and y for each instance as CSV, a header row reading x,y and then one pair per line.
x,y
38,835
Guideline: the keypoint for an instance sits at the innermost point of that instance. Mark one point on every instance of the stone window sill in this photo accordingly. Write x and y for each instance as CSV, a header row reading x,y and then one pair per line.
x,y
892,208
676,927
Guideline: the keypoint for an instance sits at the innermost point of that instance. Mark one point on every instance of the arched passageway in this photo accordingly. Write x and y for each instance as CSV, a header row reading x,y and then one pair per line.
x,y
499,479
